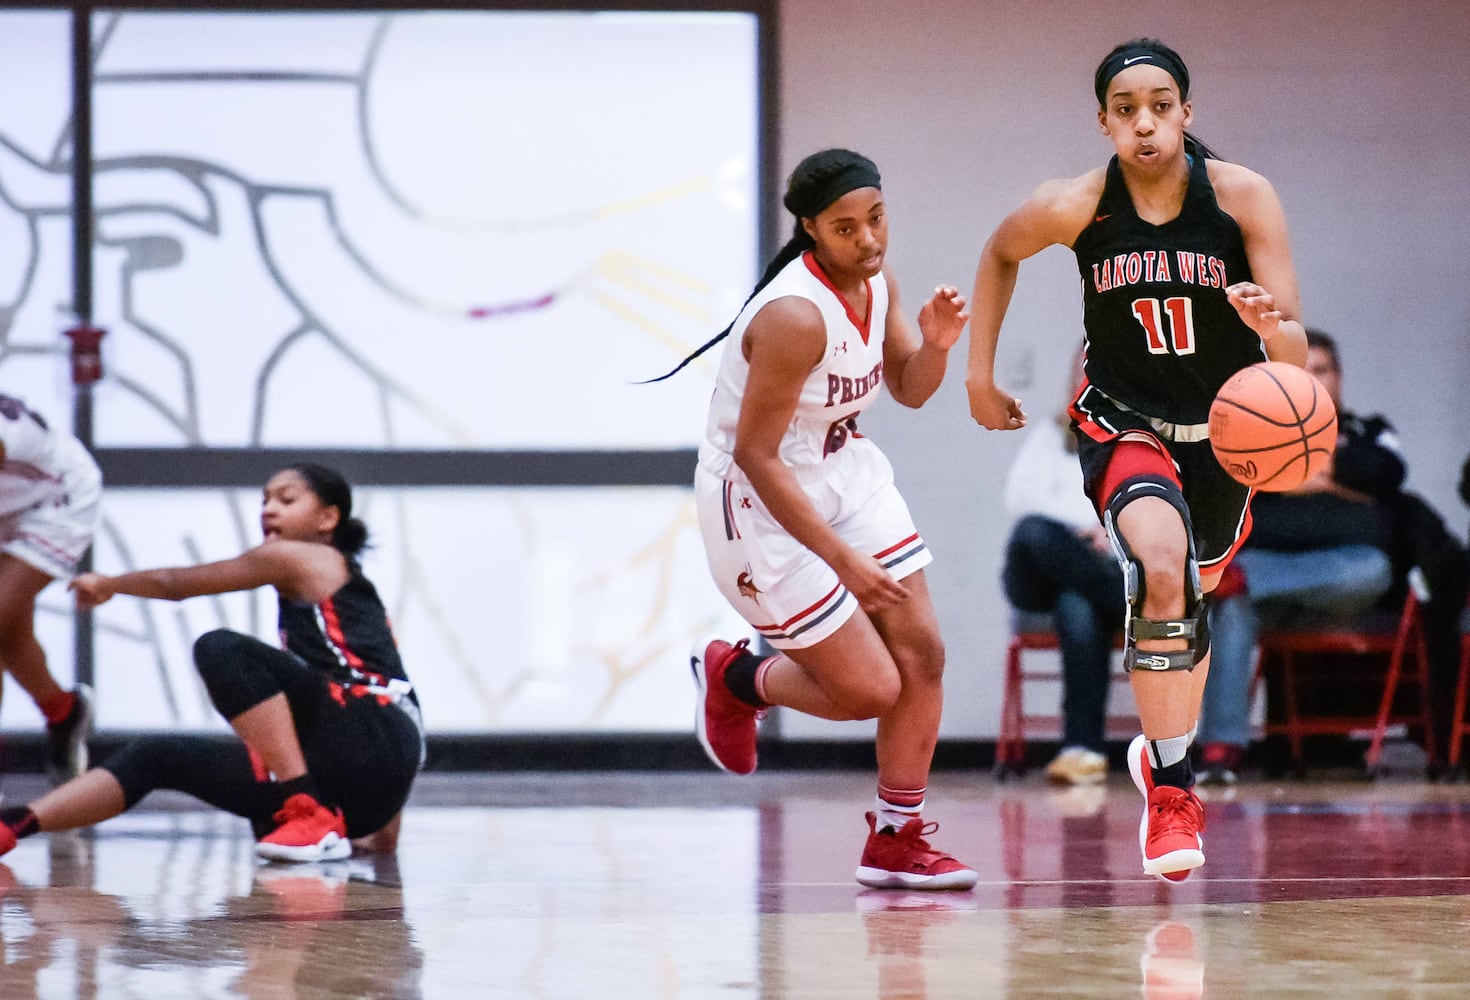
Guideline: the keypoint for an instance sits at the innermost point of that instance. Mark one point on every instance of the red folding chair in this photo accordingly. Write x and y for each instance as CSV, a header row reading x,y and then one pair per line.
x,y
1366,640
1036,632
1459,726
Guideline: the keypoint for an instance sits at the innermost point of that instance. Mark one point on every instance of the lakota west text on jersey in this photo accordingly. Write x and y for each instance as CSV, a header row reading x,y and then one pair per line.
x,y
1162,334
1152,267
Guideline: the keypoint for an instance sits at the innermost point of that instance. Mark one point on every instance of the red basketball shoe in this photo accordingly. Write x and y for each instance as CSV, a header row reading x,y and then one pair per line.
x,y
306,830
903,859
725,725
1173,819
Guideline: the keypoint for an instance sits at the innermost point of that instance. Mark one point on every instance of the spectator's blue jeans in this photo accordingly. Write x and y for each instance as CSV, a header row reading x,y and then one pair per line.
x,y
1048,568
1283,589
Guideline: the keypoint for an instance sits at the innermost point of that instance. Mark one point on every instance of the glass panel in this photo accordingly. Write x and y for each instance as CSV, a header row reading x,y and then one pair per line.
x,y
419,229
35,209
36,263
515,609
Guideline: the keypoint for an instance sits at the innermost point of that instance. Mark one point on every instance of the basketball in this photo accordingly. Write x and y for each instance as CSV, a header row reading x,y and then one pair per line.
x,y
1273,426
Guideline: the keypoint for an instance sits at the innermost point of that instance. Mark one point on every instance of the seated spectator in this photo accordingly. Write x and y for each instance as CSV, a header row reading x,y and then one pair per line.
x,y
1465,484
1342,543
1058,561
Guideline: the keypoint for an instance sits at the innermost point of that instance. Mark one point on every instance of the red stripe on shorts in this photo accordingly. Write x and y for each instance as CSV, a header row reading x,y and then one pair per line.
x,y
802,614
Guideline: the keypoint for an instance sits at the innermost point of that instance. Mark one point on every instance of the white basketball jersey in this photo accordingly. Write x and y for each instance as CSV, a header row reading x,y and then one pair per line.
x,y
36,460
844,384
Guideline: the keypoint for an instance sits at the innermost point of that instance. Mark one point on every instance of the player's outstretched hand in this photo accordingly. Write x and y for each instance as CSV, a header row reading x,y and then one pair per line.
x,y
91,589
1257,308
943,317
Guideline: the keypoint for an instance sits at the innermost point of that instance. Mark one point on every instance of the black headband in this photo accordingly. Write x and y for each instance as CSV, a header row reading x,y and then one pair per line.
x,y
1132,56
809,204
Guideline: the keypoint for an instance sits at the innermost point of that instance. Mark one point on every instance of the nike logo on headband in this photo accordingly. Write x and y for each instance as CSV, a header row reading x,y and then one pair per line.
x,y
1133,59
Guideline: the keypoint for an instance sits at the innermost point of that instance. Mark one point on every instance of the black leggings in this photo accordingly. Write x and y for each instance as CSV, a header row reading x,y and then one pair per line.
x,y
361,753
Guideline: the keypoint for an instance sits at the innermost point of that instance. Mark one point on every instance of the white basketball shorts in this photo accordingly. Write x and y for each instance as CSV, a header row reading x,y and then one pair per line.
x,y
791,597
53,535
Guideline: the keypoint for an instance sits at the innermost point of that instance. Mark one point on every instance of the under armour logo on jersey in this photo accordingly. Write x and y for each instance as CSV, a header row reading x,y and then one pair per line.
x,y
745,503
840,349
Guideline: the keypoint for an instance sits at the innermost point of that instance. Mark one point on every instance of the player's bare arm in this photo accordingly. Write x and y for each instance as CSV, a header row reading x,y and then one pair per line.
x,y
302,570
783,343
914,363
1056,213
1270,304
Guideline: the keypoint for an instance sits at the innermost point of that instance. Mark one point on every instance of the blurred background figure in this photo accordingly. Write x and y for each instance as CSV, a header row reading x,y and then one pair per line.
x,y
50,491
1348,540
1058,562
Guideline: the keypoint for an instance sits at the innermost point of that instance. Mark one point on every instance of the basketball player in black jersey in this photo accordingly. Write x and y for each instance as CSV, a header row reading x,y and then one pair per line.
x,y
1187,277
330,737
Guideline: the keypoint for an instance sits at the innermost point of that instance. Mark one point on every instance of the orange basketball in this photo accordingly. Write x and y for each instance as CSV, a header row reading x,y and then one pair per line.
x,y
1273,426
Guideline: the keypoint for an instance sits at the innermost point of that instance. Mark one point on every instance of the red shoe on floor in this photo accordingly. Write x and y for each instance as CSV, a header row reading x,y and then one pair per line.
x,y
1171,842
306,830
724,724
903,859
1220,763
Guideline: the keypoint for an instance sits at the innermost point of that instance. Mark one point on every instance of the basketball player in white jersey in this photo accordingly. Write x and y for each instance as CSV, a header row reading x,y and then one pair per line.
x,y
50,489
806,535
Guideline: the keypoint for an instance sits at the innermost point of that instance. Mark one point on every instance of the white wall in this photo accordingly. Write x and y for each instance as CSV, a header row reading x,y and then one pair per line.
x,y
1356,111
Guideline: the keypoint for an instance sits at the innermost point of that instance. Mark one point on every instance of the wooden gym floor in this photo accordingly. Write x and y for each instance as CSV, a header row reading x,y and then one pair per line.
x,y
696,884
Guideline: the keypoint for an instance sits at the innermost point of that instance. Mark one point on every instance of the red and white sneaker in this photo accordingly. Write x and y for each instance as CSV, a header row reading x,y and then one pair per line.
x,y
903,859
306,830
1173,819
725,725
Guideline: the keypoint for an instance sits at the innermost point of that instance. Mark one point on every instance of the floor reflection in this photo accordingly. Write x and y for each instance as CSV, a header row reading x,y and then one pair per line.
x,y
235,929
899,927
694,886
1170,965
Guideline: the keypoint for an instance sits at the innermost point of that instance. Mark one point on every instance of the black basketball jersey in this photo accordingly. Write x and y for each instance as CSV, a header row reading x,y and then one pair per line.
x,y
347,635
1161,335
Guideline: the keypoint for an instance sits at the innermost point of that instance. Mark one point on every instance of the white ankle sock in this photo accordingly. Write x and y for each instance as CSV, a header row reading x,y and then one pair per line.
x,y
895,816
1162,753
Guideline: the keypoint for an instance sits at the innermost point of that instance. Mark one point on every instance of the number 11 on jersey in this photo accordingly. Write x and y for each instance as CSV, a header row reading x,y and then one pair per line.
x,y
1179,311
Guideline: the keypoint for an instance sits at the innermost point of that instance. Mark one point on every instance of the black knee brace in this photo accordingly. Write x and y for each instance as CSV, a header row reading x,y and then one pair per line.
x,y
1193,627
